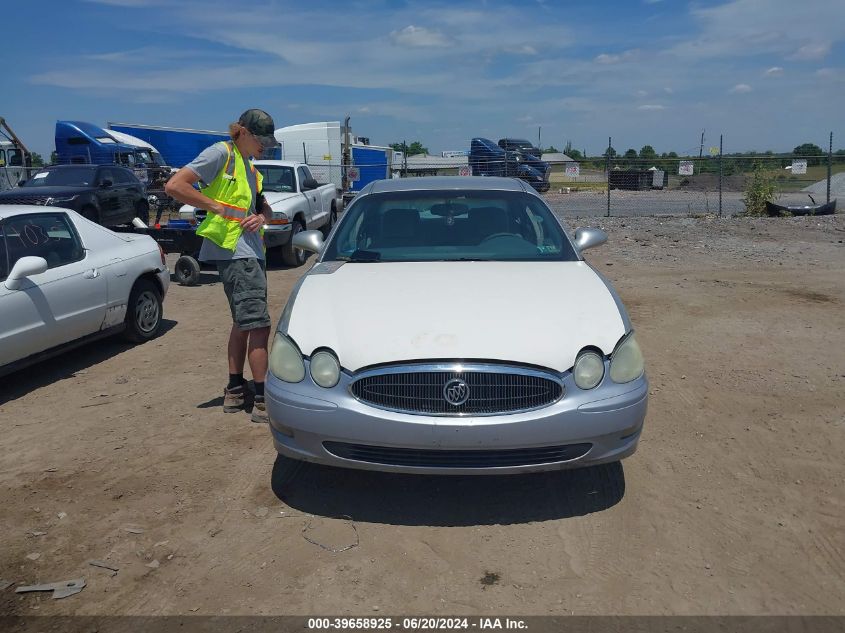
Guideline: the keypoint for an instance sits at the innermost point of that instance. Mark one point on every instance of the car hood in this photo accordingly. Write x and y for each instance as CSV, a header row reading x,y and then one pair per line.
x,y
40,192
539,313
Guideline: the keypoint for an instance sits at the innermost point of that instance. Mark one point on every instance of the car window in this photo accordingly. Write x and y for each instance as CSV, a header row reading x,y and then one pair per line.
x,y
276,178
449,226
47,235
2,157
306,171
106,174
63,176
301,173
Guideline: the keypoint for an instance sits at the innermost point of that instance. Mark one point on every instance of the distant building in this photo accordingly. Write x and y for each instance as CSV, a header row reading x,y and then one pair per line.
x,y
427,165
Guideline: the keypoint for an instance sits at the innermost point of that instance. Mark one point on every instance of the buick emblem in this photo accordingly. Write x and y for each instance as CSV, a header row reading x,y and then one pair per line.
x,y
456,392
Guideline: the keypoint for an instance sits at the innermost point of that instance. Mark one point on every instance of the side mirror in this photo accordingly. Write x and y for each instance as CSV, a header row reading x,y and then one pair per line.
x,y
588,238
309,241
106,183
23,268
309,183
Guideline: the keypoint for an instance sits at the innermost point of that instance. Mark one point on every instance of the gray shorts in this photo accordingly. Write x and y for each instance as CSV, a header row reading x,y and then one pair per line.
x,y
245,283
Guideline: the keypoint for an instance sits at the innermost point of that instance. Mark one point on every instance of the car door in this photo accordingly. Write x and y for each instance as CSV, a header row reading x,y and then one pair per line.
x,y
108,194
312,197
60,305
124,180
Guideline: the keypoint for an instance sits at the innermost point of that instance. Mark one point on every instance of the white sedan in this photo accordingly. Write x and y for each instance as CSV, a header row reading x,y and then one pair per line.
x,y
451,326
65,280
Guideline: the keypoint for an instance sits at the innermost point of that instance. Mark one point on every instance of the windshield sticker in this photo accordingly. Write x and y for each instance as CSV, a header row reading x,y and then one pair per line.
x,y
546,248
40,174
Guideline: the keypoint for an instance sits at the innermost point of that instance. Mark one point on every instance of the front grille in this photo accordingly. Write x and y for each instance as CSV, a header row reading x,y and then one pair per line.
x,y
457,458
24,200
491,392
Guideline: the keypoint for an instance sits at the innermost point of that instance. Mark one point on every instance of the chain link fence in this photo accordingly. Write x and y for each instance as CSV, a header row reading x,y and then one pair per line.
x,y
717,184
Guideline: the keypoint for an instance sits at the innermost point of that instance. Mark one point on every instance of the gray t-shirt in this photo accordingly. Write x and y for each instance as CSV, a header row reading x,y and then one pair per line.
x,y
207,165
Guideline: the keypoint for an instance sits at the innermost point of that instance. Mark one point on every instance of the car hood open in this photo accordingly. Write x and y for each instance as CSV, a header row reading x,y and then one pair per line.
x,y
537,313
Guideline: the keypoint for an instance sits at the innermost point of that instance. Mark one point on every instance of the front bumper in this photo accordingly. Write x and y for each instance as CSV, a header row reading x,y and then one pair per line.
x,y
331,427
276,235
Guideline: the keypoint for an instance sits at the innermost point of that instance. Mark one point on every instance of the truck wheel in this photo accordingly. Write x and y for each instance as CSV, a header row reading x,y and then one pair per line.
x,y
142,211
327,227
291,256
143,312
187,271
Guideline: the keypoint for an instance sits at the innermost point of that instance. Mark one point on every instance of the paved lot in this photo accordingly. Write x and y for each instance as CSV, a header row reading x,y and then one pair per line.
x,y
734,503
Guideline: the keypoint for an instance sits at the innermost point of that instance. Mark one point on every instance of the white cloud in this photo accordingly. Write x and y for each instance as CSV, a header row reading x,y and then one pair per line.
x,y
740,89
520,50
606,58
668,90
809,52
649,107
526,119
419,37
774,71
641,93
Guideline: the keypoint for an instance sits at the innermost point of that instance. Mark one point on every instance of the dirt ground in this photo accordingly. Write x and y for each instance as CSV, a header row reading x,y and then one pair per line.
x,y
734,503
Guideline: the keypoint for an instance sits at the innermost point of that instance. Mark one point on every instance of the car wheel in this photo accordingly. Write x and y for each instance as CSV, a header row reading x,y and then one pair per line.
x,y
294,257
90,213
144,312
187,271
142,211
327,228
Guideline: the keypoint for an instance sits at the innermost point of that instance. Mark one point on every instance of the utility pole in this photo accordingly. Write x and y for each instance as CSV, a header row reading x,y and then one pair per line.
x,y
701,147
540,147
346,159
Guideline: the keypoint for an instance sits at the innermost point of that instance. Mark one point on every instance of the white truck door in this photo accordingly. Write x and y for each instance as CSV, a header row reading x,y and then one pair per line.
x,y
62,304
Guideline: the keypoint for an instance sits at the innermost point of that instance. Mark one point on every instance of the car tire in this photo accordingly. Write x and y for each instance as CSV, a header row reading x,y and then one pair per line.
x,y
327,227
90,213
187,271
291,256
142,211
143,312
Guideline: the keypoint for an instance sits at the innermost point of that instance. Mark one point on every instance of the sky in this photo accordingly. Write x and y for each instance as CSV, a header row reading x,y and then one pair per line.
x,y
766,74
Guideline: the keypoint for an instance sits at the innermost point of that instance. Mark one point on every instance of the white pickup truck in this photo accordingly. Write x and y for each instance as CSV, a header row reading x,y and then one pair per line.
x,y
299,203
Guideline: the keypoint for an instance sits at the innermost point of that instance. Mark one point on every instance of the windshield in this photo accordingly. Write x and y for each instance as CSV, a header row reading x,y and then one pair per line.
x,y
66,176
277,178
449,226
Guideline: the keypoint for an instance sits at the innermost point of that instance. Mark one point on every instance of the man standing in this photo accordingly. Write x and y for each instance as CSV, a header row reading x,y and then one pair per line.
x,y
230,192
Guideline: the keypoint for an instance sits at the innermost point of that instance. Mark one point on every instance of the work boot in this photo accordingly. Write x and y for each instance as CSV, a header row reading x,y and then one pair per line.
x,y
233,399
259,411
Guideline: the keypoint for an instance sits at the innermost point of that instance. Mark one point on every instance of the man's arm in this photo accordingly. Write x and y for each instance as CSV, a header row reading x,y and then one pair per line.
x,y
181,187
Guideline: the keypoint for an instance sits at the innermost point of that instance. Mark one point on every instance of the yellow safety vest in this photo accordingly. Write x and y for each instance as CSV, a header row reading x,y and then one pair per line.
x,y
231,189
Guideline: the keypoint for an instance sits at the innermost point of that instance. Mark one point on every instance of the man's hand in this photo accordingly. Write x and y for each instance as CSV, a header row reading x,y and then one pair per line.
x,y
252,223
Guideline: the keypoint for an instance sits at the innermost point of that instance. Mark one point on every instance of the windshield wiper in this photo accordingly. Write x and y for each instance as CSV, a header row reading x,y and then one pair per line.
x,y
361,256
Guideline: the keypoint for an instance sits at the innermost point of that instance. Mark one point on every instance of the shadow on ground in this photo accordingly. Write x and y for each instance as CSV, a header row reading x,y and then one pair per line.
x,y
66,364
397,499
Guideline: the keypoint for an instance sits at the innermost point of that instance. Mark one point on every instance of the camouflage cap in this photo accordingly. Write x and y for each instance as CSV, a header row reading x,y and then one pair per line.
x,y
258,122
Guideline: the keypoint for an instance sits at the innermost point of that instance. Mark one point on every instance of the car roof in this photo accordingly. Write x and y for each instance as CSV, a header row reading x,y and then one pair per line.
x,y
448,183
11,210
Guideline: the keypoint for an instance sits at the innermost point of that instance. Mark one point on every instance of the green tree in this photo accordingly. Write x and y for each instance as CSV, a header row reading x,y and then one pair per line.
x,y
54,158
809,149
761,189
414,148
609,152
630,153
575,154
671,155
647,152
37,160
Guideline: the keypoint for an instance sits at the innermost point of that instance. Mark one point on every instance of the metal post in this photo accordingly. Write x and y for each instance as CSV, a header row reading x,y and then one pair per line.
x,y
607,169
346,158
404,159
720,175
304,154
829,164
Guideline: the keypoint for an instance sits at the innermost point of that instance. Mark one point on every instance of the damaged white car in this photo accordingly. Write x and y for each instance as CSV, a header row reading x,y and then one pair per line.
x,y
65,280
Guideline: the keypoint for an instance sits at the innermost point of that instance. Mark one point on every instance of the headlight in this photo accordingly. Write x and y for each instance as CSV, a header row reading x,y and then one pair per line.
x,y
325,370
626,363
285,360
588,370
